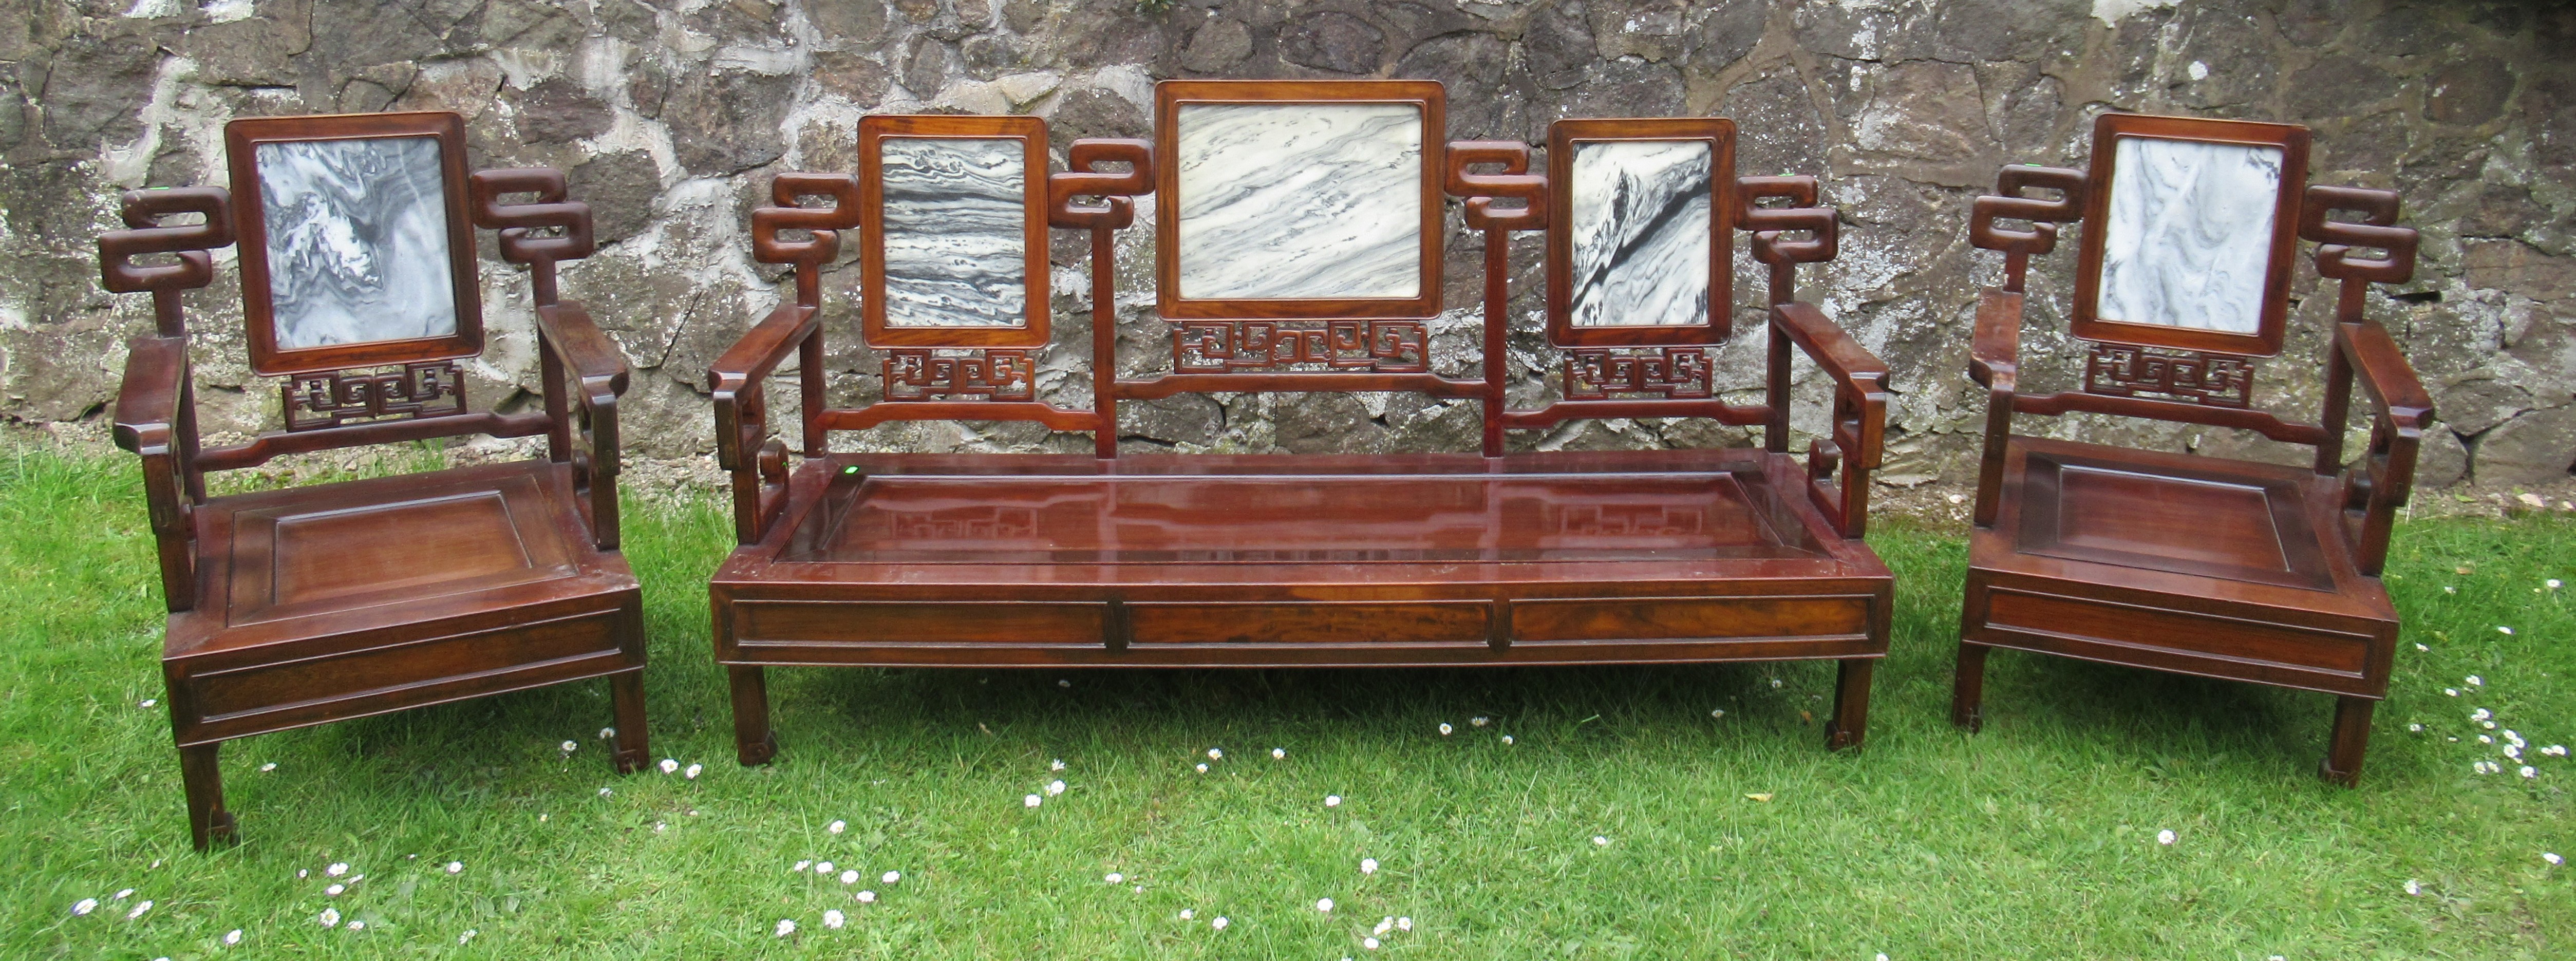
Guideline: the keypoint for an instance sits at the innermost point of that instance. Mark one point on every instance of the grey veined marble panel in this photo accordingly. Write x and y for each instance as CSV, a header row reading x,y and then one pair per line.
x,y
1300,201
2188,239
956,231
357,240
1639,233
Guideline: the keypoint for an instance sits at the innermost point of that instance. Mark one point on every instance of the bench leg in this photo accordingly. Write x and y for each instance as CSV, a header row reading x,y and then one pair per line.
x,y
208,823
634,749
752,738
1850,722
1968,693
2351,738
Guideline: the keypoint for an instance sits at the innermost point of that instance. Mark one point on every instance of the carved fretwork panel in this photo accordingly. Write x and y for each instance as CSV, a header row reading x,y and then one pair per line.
x,y
980,524
1632,520
2215,380
1229,346
1599,373
956,374
334,398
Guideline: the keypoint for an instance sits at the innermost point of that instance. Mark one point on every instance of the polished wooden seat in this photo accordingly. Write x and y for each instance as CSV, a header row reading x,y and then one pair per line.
x,y
313,604
2187,563
1209,560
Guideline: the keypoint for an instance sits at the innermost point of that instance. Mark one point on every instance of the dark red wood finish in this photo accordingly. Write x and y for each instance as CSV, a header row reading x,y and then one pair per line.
x,y
241,142
1009,560
2194,564
302,606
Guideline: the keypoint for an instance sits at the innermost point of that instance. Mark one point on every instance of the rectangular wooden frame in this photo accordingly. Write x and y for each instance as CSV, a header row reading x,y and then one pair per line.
x,y
1170,95
874,129
1562,137
241,141
2266,340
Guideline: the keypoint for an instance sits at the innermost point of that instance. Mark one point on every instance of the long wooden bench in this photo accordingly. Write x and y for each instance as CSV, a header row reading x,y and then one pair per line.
x,y
1298,238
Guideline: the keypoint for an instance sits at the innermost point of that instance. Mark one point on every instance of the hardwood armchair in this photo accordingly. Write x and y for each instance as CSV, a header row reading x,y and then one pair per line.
x,y
307,605
2192,564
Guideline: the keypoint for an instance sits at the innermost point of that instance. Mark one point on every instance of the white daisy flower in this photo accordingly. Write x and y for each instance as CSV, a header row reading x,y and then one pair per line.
x,y
1332,800
467,936
1404,924
334,890
1215,754
1278,754
2421,647
1507,739
1600,841
2414,888
850,876
2554,750
336,870
1384,925
122,894
270,766
1480,720
2529,772
1219,923
801,866
2489,725
1054,788
1055,765
1063,682
2476,681
455,867
2451,691
866,897
2480,714
670,765
330,917
571,746
2486,739
1717,712
837,827
139,909
301,873
1324,905
84,906
692,772
232,937
823,867
1369,943
1445,729
1368,865
2448,589
2165,837
1203,767
148,702
1114,877
2551,583
356,924
606,733
890,877
2513,752
2501,629
2515,739
785,927
1775,684
833,919
1187,914
2553,859
604,792
2416,728
1032,801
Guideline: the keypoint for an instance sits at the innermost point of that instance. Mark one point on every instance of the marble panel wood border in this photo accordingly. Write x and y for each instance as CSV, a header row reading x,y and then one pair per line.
x,y
1566,140
243,140
2108,130
874,130
1171,96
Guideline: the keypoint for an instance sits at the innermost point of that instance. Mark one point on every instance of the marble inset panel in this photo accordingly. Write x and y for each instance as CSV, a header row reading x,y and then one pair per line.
x,y
357,240
956,231
1300,201
1639,229
2188,238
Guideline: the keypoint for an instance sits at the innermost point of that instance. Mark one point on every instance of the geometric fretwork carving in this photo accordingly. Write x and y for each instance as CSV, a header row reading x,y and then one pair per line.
x,y
333,398
958,374
963,524
1597,373
1225,346
2215,380
1632,520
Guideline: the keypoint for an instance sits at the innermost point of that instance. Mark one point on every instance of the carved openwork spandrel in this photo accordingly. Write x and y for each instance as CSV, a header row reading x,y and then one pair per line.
x,y
1599,373
1224,346
2215,380
942,374
334,398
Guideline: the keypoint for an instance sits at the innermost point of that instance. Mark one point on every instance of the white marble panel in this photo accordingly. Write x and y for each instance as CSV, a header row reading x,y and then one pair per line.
x,y
357,240
2188,240
1639,233
956,231
1282,201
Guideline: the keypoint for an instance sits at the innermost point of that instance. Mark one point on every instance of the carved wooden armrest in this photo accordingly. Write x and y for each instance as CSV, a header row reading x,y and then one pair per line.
x,y
598,378
1994,362
1514,182
2018,246
143,210
1854,445
518,223
151,421
2401,410
1083,178
1769,224
744,446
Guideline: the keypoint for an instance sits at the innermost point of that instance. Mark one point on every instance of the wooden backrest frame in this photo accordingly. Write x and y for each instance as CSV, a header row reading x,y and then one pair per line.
x,y
243,137
1170,96
874,130
2108,131
1564,139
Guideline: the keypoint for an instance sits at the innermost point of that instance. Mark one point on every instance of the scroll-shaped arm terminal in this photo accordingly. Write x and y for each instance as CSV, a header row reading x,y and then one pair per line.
x,y
143,210
1514,182
1084,178
823,224
1768,224
2008,203
518,223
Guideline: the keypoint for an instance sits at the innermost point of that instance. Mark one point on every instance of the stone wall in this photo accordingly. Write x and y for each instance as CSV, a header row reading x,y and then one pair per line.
x,y
671,115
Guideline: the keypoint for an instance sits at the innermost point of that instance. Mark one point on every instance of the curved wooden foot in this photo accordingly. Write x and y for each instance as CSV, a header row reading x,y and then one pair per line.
x,y
1968,688
2342,764
1850,723
753,741
634,746
208,823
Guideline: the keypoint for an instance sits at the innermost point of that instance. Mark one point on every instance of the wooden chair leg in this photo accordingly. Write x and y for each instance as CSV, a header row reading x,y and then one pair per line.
x,y
1850,723
752,738
1968,693
208,823
2351,738
634,746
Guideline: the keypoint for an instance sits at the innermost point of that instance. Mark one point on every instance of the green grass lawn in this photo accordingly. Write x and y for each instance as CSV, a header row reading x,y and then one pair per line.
x,y
1616,824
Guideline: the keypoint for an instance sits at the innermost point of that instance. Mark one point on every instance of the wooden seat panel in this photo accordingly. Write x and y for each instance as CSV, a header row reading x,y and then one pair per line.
x,y
330,554
2204,517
